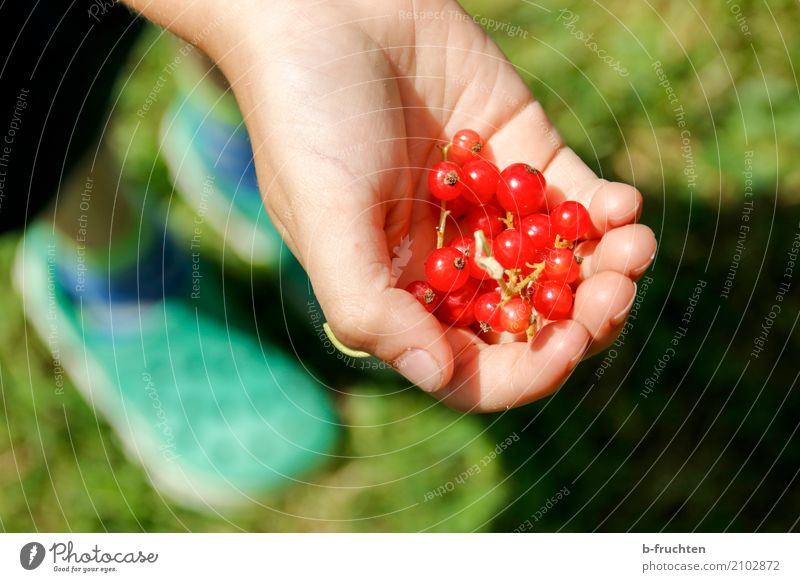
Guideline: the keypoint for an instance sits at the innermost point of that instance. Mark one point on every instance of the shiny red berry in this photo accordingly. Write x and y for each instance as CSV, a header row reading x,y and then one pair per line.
x,y
458,307
490,285
537,227
446,269
553,300
487,312
444,181
480,180
466,244
570,220
512,249
560,266
458,207
485,218
521,189
466,145
424,293
515,315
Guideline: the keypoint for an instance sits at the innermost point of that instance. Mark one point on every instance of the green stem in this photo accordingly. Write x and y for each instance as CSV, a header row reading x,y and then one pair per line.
x,y
443,212
445,149
489,264
508,220
563,243
340,346
533,276
533,328
480,240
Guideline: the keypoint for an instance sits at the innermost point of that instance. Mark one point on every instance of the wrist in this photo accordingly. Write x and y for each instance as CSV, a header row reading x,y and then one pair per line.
x,y
213,26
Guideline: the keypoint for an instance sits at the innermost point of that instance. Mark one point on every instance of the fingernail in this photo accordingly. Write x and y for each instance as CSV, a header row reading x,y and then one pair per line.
x,y
574,361
620,317
622,212
618,218
618,214
419,367
640,270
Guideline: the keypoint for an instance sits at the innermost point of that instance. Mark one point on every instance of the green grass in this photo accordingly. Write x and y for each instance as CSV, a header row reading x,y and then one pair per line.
x,y
715,445
61,468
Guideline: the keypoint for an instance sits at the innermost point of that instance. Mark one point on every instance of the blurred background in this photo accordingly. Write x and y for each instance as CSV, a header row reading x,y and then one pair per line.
x,y
698,105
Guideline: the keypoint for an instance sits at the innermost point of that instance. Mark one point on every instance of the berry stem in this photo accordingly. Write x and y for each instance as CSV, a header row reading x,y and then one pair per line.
x,y
533,328
532,277
508,220
488,263
443,212
443,208
562,243
480,240
507,289
445,149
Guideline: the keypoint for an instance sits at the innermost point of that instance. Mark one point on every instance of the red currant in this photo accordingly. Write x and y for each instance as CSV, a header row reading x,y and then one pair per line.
x,y
458,307
490,285
570,220
485,218
487,313
521,189
512,249
424,293
553,300
515,315
458,208
444,181
560,266
466,244
446,269
467,145
480,180
537,227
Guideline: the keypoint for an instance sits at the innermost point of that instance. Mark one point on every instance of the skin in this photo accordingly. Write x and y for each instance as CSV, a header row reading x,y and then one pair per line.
x,y
346,103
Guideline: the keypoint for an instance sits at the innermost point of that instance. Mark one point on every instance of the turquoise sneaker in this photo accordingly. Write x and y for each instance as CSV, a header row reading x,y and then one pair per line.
x,y
215,418
205,146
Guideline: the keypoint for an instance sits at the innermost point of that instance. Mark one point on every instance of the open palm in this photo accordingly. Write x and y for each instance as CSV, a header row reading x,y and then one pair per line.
x,y
346,113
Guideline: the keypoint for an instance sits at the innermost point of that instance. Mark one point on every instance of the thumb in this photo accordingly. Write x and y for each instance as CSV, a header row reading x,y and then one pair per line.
x,y
347,260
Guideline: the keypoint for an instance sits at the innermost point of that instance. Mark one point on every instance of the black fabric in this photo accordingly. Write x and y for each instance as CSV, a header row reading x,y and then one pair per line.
x,y
58,64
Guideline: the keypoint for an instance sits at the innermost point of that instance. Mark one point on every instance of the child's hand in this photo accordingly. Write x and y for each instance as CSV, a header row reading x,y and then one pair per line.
x,y
346,103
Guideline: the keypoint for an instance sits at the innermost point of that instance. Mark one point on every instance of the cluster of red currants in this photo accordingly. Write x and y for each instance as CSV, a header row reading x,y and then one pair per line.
x,y
514,268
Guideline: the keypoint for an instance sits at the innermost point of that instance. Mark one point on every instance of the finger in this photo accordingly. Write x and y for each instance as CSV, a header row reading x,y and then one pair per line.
x,y
602,303
628,250
496,377
530,137
526,136
517,130
350,269
610,204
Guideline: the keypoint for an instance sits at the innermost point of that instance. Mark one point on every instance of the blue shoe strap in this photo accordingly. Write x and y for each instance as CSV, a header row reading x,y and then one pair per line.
x,y
221,145
161,272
